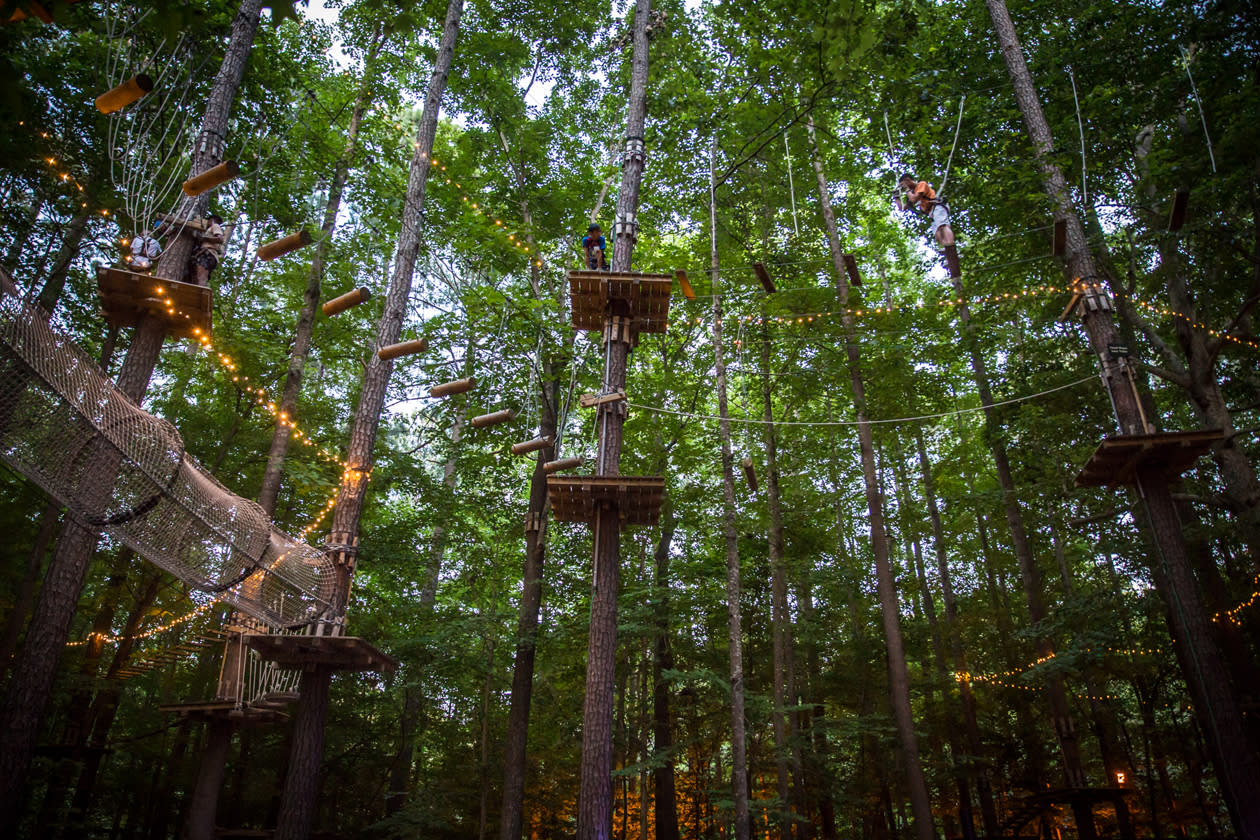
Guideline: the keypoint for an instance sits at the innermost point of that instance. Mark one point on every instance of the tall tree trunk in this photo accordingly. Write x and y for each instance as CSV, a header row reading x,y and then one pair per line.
x,y
984,787
739,759
594,818
898,675
1234,757
48,520
780,622
665,815
301,786
50,294
36,667
314,279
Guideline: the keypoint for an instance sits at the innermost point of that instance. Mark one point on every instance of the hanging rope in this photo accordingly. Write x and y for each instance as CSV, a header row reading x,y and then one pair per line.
x,y
1080,127
1185,59
950,162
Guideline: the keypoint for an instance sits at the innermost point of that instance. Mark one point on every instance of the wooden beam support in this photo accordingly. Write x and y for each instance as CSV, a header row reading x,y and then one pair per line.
x,y
403,348
341,303
284,245
1177,218
759,268
525,447
132,90
211,178
685,285
750,474
592,400
458,386
493,419
851,268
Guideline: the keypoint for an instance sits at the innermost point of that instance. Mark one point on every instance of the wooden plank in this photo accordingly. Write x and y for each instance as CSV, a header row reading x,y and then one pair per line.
x,y
592,400
759,268
750,474
174,221
1118,458
1177,218
851,268
685,285
647,296
336,653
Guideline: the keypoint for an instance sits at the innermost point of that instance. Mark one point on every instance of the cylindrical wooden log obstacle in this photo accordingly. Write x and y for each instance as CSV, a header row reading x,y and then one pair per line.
x,y
562,464
750,474
284,245
402,348
115,99
685,285
211,178
343,302
459,386
525,447
493,418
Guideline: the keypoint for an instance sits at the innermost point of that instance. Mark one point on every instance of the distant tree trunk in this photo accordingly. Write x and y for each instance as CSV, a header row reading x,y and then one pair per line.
x,y
739,760
984,787
898,675
50,294
1216,704
36,667
48,520
666,812
780,622
301,786
314,279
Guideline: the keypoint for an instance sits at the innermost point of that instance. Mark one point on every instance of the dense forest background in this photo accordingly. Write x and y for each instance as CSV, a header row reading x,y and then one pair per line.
x,y
1143,98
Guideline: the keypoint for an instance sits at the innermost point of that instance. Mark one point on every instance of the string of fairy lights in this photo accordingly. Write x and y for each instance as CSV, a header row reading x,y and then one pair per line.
x,y
108,639
998,678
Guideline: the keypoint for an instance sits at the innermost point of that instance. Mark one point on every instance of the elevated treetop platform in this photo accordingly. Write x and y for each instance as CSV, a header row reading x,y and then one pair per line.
x,y
336,653
205,710
647,295
1120,457
125,295
576,498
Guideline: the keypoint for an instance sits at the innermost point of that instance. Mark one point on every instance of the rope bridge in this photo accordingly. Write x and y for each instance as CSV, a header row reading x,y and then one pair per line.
x,y
66,427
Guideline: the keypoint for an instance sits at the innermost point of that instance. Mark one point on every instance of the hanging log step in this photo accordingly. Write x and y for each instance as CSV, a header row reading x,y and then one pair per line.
x,y
750,474
350,299
1058,243
402,348
447,389
1177,218
285,245
493,419
562,464
527,446
951,260
132,90
685,285
851,269
759,268
592,400
211,178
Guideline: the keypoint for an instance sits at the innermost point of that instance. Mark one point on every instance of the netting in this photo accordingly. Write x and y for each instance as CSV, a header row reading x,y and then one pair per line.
x,y
66,427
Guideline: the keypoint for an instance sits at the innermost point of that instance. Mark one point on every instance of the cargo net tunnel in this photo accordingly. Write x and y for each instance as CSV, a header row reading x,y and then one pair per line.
x,y
66,427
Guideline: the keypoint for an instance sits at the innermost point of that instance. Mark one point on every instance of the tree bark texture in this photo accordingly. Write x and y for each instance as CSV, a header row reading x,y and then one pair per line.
x,y
665,814
301,786
1216,703
36,667
595,795
898,675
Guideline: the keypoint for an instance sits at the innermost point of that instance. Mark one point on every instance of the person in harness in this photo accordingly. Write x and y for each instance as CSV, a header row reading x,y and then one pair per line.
x,y
144,250
209,250
918,196
593,245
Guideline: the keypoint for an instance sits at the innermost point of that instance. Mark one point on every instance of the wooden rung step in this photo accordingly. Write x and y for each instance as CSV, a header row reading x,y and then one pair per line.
x,y
851,269
562,464
1177,218
212,178
493,419
402,348
527,446
350,299
284,245
763,274
685,285
117,98
578,498
1120,458
458,386
750,473
645,296
592,400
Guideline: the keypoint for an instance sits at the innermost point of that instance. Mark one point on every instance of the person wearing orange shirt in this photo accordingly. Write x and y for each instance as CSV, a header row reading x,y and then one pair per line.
x,y
919,197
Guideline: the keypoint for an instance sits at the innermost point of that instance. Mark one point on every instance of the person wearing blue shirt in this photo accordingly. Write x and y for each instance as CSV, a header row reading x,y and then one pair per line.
x,y
593,244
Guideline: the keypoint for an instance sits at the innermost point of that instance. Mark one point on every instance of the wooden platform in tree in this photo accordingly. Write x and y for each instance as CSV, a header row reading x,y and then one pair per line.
x,y
124,295
1039,803
1119,457
646,294
336,653
224,710
576,498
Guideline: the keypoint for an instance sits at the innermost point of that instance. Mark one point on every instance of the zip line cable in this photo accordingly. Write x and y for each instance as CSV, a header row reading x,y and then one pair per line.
x,y
1080,126
957,128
